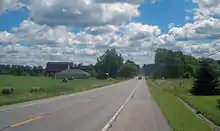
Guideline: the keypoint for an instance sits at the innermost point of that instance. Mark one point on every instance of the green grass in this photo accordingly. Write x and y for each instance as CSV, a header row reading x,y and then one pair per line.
x,y
179,117
205,104
54,87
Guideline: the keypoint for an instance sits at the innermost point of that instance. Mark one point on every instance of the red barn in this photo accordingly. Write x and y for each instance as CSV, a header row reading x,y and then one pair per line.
x,y
54,67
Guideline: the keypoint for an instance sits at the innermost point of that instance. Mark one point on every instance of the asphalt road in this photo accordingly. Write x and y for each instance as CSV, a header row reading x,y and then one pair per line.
x,y
88,111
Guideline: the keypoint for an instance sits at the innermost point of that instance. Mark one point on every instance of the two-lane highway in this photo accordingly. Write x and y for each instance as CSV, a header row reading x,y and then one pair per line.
x,y
85,111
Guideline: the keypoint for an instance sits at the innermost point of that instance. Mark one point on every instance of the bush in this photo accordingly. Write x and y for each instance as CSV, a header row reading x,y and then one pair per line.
x,y
65,80
218,103
36,89
8,90
102,76
206,81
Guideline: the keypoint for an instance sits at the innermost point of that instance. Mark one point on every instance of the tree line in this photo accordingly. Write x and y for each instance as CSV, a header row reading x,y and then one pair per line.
x,y
175,64
21,70
110,64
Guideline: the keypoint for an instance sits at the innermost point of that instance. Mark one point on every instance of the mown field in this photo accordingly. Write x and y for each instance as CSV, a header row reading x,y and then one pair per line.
x,y
207,105
179,117
23,85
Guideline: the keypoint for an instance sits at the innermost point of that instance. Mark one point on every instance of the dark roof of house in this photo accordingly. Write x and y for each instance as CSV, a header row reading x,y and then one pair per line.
x,y
73,71
58,66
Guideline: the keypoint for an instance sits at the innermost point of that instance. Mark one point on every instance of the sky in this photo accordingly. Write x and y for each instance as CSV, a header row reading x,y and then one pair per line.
x,y
34,32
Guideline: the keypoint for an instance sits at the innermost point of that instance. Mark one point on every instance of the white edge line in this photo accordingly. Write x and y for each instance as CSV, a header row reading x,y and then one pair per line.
x,y
108,125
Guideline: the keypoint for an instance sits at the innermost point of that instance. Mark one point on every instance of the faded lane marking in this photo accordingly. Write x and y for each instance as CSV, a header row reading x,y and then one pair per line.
x,y
27,121
109,124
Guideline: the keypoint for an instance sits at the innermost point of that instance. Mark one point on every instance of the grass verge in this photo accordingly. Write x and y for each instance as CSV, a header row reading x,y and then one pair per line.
x,y
207,105
23,84
179,117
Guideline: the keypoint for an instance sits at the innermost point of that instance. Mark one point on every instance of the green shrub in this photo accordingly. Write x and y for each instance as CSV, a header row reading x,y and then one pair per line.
x,y
65,80
218,103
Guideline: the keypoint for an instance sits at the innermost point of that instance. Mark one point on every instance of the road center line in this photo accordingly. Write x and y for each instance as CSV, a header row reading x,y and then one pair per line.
x,y
109,124
27,121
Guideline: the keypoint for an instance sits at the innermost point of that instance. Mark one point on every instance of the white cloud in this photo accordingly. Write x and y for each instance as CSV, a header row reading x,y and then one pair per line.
x,y
81,12
207,8
60,44
6,37
138,31
154,1
170,25
102,29
199,30
32,33
10,5
120,1
187,18
48,31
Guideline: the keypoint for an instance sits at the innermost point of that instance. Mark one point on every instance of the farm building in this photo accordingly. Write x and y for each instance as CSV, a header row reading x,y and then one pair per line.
x,y
69,73
54,67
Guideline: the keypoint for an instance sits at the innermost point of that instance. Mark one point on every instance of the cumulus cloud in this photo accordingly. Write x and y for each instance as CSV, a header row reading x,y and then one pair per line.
x,y
32,33
199,30
121,1
6,37
206,9
104,23
81,13
60,44
11,5
139,31
101,29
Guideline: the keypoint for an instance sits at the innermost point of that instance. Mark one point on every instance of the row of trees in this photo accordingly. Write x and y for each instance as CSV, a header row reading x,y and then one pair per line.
x,y
20,70
110,64
175,64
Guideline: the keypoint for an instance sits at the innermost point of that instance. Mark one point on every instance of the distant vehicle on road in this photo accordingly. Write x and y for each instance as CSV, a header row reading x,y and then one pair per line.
x,y
139,77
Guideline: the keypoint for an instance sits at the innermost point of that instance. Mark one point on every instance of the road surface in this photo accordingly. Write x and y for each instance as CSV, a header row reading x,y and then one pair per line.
x,y
88,111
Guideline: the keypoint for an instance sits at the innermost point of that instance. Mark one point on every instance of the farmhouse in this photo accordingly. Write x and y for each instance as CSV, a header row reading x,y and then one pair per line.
x,y
54,67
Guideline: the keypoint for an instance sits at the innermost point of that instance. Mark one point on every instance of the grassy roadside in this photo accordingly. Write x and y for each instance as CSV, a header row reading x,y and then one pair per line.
x,y
23,85
179,117
207,105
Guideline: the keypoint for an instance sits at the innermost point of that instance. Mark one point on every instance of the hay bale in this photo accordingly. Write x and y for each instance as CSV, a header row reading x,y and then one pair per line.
x,y
8,90
65,80
37,89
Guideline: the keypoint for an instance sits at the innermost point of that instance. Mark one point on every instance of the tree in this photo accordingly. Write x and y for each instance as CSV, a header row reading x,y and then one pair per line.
x,y
110,63
172,64
128,69
206,80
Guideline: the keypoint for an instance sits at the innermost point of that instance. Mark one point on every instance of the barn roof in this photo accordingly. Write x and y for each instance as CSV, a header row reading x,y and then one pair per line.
x,y
58,66
73,71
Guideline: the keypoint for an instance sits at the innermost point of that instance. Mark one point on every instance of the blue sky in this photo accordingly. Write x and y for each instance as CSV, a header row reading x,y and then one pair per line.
x,y
165,12
12,19
161,14
81,30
